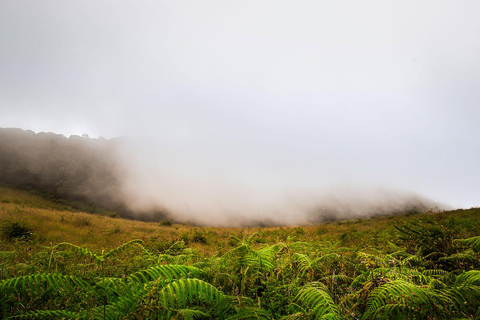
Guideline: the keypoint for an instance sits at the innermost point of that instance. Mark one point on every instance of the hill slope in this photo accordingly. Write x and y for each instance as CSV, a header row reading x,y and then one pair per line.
x,y
59,263
53,222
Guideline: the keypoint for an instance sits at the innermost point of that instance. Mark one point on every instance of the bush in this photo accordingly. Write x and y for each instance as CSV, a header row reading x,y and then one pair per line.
x,y
299,231
16,230
199,236
166,223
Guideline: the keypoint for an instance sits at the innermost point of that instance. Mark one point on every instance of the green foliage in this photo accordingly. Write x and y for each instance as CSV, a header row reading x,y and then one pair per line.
x,y
317,298
430,240
16,230
336,278
473,243
166,223
200,236
400,298
197,235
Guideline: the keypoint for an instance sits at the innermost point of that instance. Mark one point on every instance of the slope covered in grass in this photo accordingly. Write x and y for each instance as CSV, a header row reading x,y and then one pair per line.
x,y
54,222
60,263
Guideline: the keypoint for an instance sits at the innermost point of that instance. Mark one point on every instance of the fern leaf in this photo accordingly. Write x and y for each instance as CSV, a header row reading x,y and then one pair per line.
x,y
48,314
191,314
402,293
55,281
465,256
473,243
123,247
77,249
166,272
469,278
317,298
435,273
251,313
296,316
176,294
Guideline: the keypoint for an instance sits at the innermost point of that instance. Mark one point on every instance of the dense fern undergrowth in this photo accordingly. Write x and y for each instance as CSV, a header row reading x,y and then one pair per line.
x,y
419,266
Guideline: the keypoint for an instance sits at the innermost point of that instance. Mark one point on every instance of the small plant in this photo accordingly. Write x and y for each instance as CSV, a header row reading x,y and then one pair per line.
x,y
199,236
299,231
16,230
166,223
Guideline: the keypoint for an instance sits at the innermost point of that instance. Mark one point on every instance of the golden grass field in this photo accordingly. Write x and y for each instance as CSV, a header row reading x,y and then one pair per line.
x,y
53,223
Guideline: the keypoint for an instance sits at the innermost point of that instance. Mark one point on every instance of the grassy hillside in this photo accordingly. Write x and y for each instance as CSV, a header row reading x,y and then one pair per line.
x,y
56,262
52,222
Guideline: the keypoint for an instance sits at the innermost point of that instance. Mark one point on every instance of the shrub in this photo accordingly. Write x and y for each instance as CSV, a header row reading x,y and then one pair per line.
x,y
166,223
16,230
299,231
199,236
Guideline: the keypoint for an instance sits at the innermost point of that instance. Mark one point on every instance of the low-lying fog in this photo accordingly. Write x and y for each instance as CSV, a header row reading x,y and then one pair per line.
x,y
267,111
231,188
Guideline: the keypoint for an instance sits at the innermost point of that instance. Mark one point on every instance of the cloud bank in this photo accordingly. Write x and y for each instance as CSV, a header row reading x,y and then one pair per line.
x,y
248,102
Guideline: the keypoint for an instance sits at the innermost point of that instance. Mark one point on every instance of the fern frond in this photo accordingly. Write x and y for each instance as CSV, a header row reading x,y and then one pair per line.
x,y
303,261
266,257
250,238
239,251
183,292
37,282
316,297
251,313
299,245
166,272
295,316
340,278
469,278
191,314
245,256
465,256
473,243
435,273
77,249
401,293
411,259
48,314
123,247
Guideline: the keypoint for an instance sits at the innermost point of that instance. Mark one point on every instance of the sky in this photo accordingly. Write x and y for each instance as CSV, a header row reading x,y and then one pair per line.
x,y
232,102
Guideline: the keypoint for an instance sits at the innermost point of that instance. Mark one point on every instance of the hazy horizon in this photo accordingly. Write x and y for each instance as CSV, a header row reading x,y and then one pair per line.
x,y
260,107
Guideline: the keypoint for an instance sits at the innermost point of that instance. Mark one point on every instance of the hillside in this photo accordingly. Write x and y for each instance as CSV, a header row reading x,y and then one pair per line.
x,y
79,169
61,263
54,222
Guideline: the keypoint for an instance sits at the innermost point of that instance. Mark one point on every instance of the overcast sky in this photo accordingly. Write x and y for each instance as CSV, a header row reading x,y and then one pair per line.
x,y
266,95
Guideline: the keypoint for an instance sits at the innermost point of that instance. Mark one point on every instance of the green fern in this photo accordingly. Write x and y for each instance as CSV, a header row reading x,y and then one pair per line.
x,y
402,297
469,278
465,256
182,293
316,297
473,243
48,314
99,257
38,283
166,272
190,314
250,313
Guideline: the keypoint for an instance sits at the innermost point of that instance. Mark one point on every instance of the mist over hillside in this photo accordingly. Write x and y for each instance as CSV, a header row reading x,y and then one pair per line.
x,y
78,169
120,175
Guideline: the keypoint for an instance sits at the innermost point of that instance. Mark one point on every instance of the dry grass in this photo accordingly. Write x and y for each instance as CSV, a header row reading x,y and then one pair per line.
x,y
54,223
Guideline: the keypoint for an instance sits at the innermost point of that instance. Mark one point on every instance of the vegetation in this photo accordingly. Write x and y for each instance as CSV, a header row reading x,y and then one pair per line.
x,y
83,266
78,169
